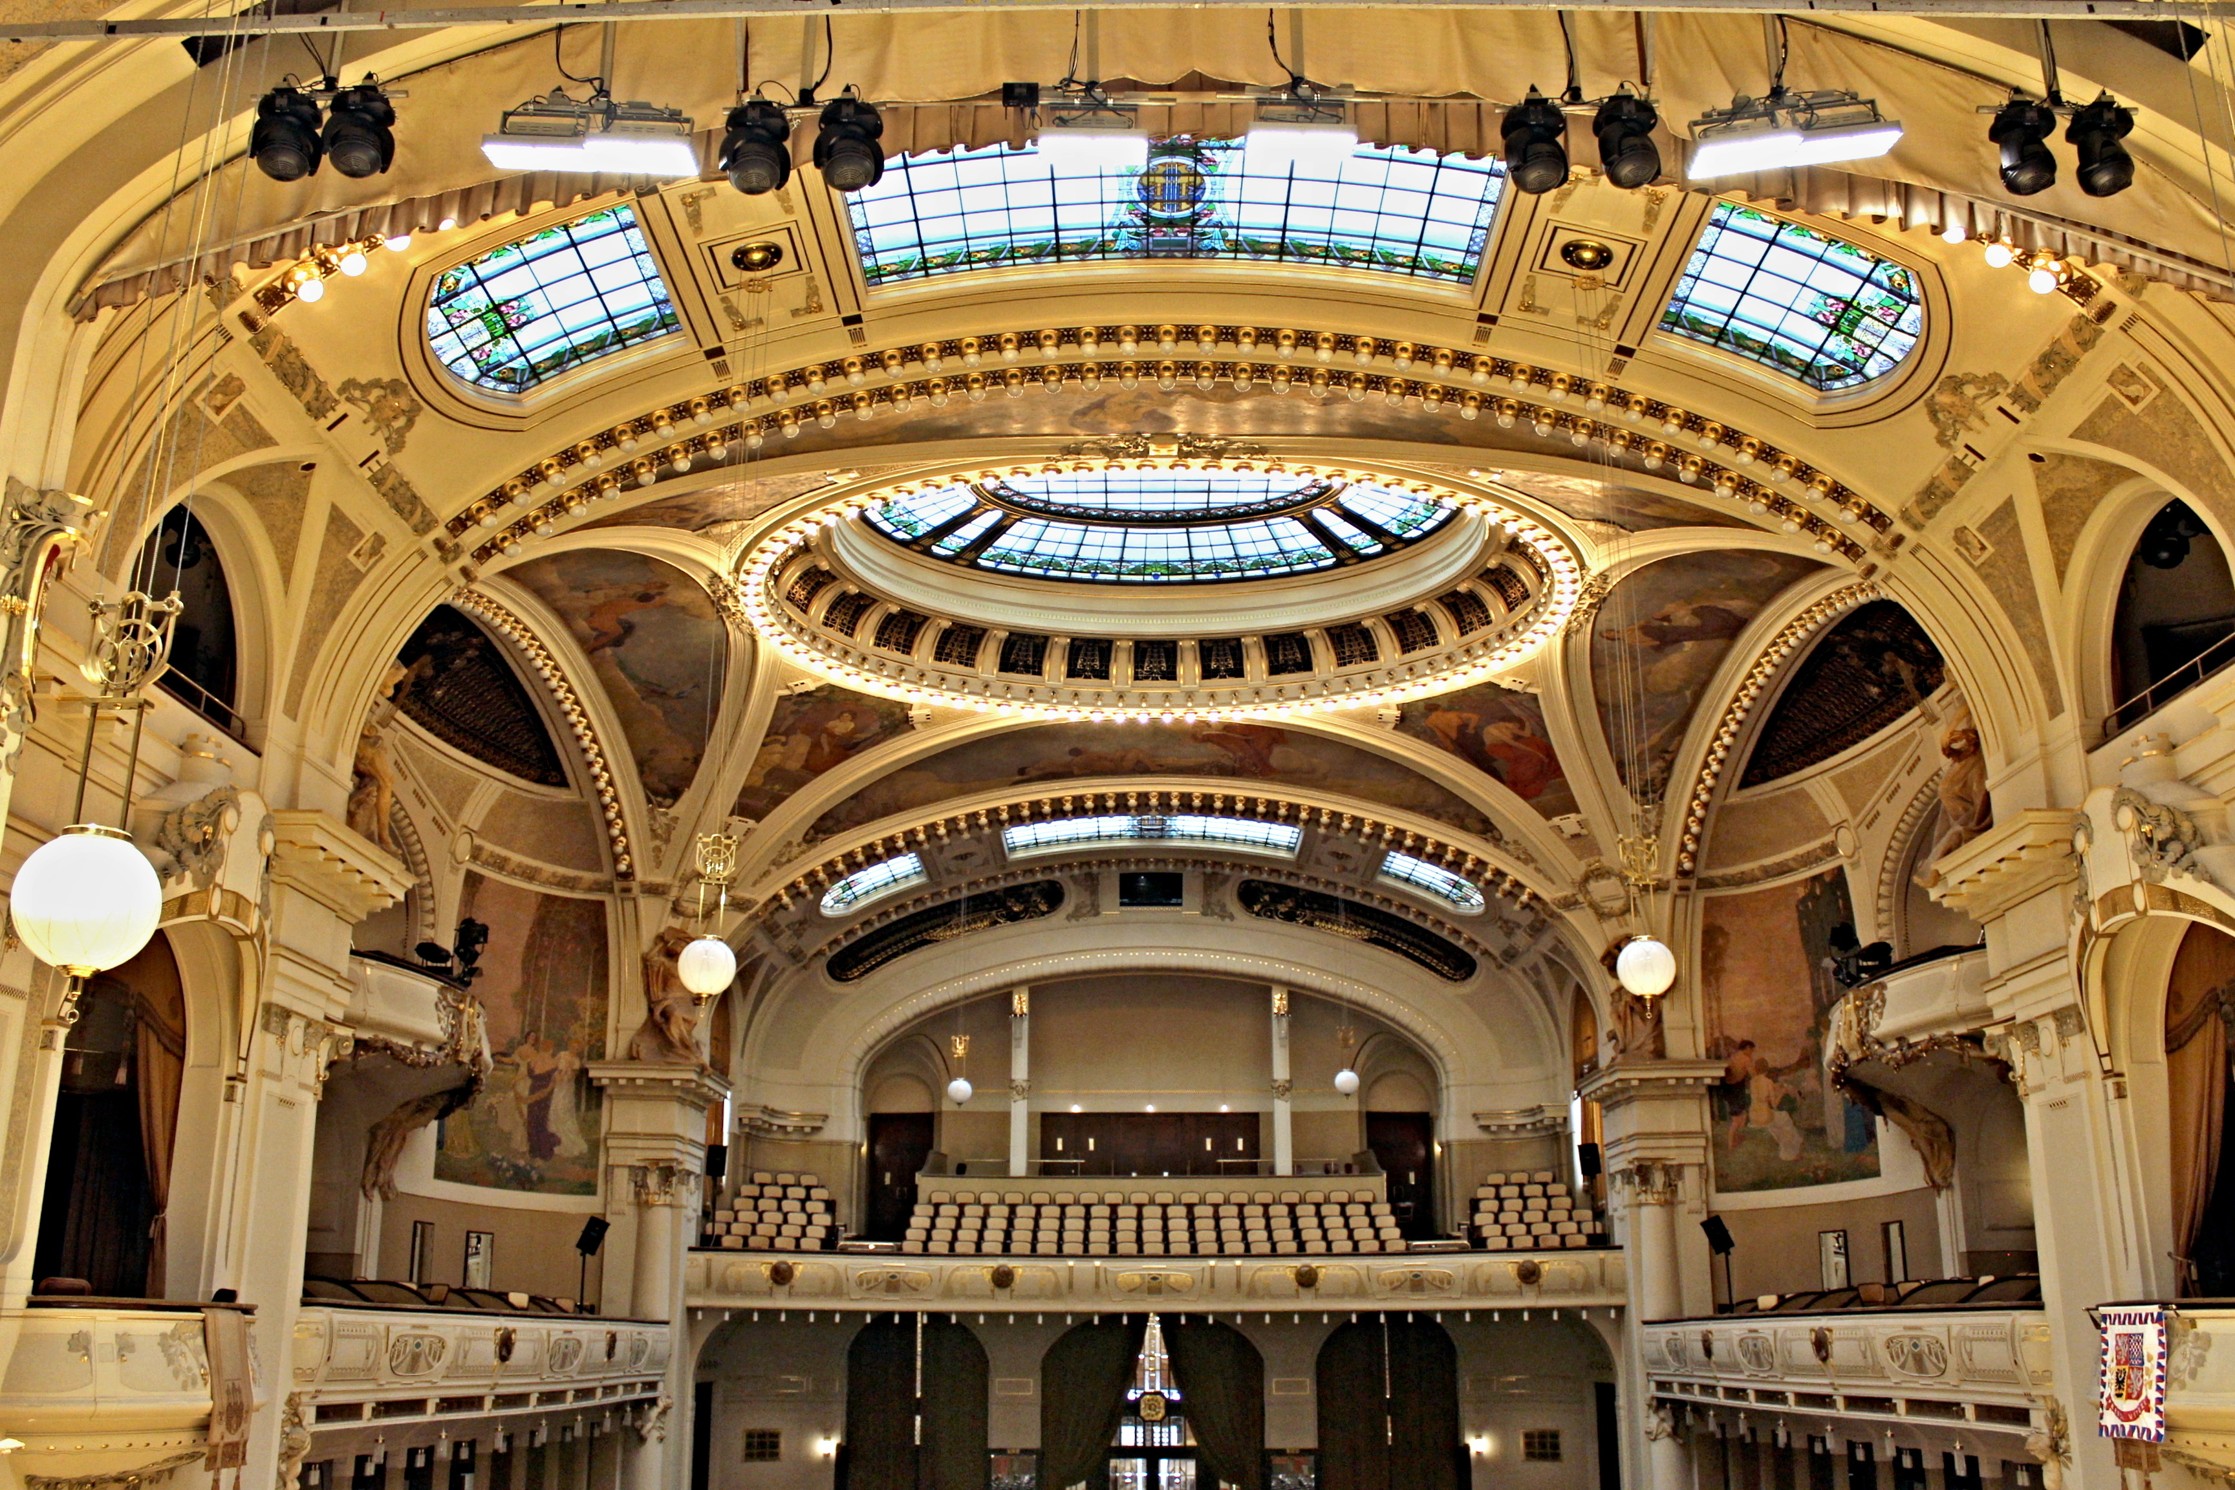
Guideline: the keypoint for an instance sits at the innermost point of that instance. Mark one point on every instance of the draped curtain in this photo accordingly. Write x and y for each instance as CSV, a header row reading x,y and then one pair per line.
x,y
1221,1379
1082,1398
955,1429
1389,1407
159,1069
880,1407
2198,994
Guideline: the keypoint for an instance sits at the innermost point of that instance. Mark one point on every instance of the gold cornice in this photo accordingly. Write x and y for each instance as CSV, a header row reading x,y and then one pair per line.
x,y
742,416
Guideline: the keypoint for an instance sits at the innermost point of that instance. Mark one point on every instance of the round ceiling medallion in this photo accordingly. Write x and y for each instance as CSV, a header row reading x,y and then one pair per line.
x,y
758,257
1586,254
1396,587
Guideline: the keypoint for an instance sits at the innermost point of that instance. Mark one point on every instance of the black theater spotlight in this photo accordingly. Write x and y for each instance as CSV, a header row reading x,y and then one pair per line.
x,y
2022,128
756,152
1536,148
847,144
2105,169
1625,124
284,140
359,136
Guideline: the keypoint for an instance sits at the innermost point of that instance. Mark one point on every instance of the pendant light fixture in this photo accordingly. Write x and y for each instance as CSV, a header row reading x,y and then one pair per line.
x,y
706,964
959,1090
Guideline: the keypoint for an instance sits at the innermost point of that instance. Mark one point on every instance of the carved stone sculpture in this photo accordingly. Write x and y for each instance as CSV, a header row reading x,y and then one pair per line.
x,y
669,1034
1965,809
372,796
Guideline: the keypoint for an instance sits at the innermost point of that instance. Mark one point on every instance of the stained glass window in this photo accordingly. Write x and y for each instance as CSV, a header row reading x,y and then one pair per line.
x,y
887,877
548,303
1158,525
1249,834
1456,891
1385,208
1817,308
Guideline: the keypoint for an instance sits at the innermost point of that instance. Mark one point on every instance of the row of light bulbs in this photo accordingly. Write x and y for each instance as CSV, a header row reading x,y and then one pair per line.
x,y
2045,272
305,279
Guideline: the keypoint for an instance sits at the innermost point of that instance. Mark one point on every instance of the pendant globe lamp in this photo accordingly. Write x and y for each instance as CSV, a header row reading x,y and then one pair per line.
x,y
87,900
959,1090
1645,966
706,965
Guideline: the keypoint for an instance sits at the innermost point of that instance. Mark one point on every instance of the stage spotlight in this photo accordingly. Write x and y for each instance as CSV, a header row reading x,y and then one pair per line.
x,y
847,151
284,140
1536,152
1627,154
360,138
756,152
2105,168
2022,128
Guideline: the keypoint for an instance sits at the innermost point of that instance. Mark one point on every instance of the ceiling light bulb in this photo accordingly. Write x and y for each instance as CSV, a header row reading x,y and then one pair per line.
x,y
2042,280
311,290
1346,1082
959,1091
397,241
2000,255
1645,966
1954,232
353,262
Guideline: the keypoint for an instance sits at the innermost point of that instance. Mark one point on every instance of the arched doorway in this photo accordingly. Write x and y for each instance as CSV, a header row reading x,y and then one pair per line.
x,y
2175,622
2199,1006
205,643
1389,1407
915,1407
115,1128
1153,1404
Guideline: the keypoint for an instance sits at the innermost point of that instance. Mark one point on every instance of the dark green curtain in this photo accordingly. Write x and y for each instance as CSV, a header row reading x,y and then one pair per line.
x,y
1082,1398
954,1408
1389,1407
881,1408
1221,1378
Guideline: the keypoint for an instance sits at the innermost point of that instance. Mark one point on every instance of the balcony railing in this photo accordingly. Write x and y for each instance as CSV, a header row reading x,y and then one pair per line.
x,y
847,1281
360,1362
2200,1385
1982,1365
104,1388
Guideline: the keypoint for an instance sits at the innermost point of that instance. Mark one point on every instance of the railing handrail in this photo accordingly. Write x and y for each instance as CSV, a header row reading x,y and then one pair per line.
x,y
131,1306
1868,1311
2118,718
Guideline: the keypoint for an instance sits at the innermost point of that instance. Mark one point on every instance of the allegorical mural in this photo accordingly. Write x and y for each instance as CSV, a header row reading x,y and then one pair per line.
x,y
808,734
535,1125
658,647
1631,507
1775,1120
1501,733
1052,754
721,512
1661,635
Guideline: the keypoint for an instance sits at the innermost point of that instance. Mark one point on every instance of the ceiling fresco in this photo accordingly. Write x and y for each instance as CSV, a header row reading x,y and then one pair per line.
x,y
1864,674
812,732
1663,632
657,646
1501,733
1050,755
459,686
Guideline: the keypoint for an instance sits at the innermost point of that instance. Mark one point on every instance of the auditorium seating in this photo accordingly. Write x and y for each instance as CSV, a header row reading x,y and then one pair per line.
x,y
1531,1211
775,1212
1153,1223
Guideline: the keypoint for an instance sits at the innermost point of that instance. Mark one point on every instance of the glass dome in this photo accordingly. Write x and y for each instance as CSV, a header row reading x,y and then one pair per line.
x,y
1158,525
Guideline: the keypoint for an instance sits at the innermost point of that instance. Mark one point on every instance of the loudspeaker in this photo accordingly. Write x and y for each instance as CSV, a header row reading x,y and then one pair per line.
x,y
717,1160
1588,1156
593,1236
1718,1236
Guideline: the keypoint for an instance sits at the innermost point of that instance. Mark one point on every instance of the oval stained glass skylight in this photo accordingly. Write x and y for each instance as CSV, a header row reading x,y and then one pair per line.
x,y
1158,525
886,877
564,295
1384,208
1829,313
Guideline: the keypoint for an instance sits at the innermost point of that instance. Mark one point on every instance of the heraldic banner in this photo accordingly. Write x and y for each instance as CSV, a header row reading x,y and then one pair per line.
x,y
2133,1398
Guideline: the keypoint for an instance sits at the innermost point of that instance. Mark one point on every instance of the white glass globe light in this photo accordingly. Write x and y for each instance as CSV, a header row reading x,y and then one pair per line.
x,y
959,1090
706,966
1346,1082
86,900
1645,966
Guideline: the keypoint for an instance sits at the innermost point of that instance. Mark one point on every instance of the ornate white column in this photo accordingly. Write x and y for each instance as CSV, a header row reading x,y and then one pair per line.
x,y
324,880
1656,1161
655,1157
1284,1112
1020,1081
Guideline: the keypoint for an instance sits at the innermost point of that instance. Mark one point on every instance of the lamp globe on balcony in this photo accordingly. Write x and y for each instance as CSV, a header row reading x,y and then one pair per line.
x,y
959,1090
1346,1082
86,900
707,966
1645,966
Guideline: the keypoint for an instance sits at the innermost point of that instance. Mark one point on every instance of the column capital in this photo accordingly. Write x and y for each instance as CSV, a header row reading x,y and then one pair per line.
x,y
1280,1003
661,1181
1019,1090
1283,1089
1020,1003
324,859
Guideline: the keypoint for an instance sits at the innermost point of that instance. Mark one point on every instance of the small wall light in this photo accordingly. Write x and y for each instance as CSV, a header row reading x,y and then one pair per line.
x,y
1479,1445
826,1447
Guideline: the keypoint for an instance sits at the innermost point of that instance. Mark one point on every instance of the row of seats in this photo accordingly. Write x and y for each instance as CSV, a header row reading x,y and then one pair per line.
x,y
1157,1224
1531,1211
775,1212
1156,1197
